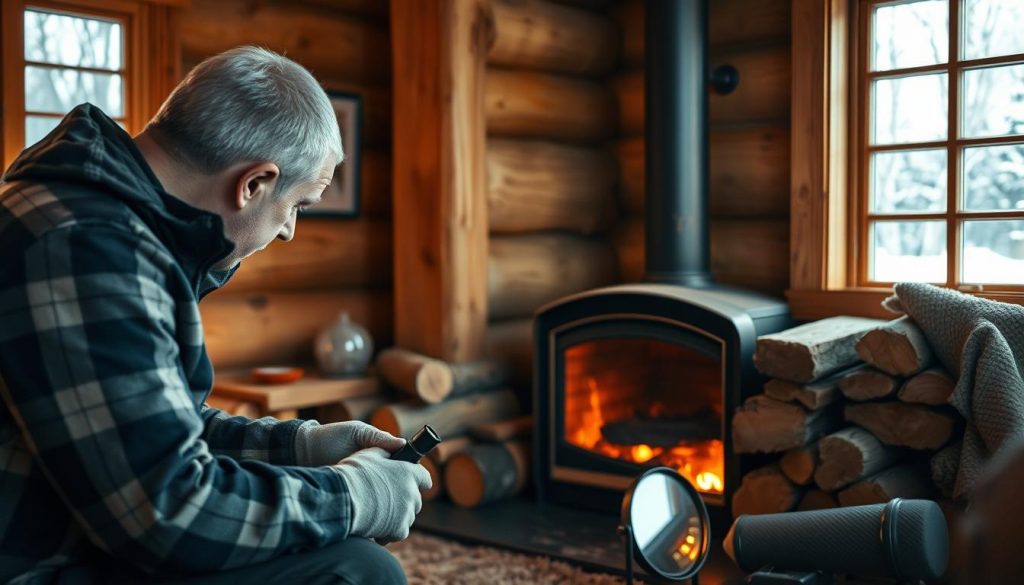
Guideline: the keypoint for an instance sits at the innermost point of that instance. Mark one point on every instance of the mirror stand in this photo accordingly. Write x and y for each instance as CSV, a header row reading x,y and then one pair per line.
x,y
627,536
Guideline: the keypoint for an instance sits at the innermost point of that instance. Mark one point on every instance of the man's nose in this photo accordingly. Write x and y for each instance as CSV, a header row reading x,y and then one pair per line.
x,y
287,230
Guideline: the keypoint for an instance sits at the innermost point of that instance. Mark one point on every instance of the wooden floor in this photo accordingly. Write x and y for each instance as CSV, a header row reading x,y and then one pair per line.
x,y
587,539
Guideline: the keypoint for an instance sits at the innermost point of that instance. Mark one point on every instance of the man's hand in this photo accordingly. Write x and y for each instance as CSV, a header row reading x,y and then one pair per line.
x,y
385,493
317,445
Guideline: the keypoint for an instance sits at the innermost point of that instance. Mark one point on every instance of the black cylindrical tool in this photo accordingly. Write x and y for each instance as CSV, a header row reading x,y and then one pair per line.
x,y
419,445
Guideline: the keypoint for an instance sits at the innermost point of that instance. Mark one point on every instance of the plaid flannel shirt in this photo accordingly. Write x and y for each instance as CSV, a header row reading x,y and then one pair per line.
x,y
106,447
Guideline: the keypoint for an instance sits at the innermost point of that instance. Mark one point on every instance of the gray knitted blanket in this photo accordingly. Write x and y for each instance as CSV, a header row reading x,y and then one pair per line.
x,y
981,343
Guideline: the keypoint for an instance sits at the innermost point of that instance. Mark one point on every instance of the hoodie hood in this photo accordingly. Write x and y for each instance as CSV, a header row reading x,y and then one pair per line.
x,y
90,149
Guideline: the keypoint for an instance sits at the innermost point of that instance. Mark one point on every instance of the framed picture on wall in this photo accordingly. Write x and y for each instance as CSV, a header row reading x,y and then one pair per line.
x,y
341,198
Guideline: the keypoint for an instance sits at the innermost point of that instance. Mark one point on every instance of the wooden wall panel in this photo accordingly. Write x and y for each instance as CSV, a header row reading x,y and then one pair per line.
x,y
325,254
375,184
541,35
534,105
279,328
534,185
336,47
371,9
748,176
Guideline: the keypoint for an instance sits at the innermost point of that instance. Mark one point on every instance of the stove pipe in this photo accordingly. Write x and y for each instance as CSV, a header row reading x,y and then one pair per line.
x,y
676,105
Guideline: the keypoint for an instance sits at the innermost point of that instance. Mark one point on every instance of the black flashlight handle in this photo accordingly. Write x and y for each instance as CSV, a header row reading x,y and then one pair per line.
x,y
419,445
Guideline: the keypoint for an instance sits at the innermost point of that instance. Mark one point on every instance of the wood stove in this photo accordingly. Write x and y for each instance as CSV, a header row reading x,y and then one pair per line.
x,y
648,374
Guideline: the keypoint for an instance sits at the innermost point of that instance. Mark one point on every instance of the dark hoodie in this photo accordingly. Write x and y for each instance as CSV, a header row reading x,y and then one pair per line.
x,y
107,453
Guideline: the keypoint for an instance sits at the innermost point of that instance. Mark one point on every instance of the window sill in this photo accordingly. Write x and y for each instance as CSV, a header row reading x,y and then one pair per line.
x,y
808,305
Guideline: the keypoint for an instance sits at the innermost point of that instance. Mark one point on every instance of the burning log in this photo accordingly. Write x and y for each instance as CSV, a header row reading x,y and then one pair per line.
x,y
849,455
503,430
810,351
661,432
814,395
765,491
487,472
765,425
898,348
433,380
901,481
799,464
866,383
817,500
449,418
932,386
904,425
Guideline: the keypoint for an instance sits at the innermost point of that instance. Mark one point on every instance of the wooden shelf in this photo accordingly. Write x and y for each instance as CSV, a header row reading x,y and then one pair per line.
x,y
311,390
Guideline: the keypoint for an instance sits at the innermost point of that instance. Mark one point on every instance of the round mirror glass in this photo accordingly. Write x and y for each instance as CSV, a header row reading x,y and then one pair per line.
x,y
669,524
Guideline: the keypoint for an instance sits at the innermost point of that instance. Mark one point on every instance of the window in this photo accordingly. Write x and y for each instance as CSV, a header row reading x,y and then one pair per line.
x,y
924,187
940,164
121,55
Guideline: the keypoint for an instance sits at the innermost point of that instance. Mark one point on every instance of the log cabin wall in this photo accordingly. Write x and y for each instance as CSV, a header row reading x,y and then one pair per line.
x,y
749,143
279,298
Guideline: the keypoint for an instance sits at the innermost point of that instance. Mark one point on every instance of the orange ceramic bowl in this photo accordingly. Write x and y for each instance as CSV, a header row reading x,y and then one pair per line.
x,y
276,374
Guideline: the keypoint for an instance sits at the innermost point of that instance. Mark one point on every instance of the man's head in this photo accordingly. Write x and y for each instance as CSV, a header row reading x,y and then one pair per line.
x,y
251,136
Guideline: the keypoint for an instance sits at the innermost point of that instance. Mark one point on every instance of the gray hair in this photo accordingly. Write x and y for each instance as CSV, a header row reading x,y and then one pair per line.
x,y
251,104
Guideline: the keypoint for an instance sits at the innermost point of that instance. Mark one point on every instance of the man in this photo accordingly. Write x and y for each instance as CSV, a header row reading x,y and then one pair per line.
x,y
111,467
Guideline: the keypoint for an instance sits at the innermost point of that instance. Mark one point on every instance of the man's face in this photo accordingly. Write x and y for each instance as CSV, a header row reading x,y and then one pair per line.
x,y
266,216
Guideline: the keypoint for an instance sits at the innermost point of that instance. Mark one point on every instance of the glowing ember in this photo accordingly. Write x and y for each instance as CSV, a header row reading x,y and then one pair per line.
x,y
708,482
642,453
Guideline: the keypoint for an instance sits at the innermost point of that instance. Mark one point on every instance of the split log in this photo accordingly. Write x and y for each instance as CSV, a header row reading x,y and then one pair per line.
x,y
898,347
436,479
242,330
526,272
448,448
361,408
765,425
813,350
450,418
813,395
904,425
867,383
486,473
434,380
849,455
932,386
503,430
233,406
817,500
537,34
765,491
535,185
534,105
799,464
511,344
900,481
748,174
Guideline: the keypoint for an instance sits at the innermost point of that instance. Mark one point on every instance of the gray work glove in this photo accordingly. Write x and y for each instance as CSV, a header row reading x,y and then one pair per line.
x,y
317,444
385,493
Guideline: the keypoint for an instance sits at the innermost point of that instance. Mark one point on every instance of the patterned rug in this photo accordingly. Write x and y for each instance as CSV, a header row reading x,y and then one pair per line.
x,y
429,560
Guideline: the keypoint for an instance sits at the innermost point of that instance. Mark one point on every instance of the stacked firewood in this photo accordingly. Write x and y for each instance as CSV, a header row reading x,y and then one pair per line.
x,y
855,409
484,454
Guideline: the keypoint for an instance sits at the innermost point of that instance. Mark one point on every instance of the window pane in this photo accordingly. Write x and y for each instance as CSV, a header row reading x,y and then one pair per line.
x,y
908,251
992,27
70,40
994,251
909,109
908,181
60,90
37,127
910,35
993,101
994,178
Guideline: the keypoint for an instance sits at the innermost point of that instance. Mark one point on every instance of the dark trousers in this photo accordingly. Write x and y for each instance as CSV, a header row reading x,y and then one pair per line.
x,y
355,561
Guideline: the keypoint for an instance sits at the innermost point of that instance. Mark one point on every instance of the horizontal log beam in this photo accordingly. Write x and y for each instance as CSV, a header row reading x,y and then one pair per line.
x,y
278,328
535,186
538,34
325,254
534,105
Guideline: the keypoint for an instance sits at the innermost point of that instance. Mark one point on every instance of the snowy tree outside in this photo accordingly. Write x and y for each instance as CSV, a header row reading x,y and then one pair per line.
x,y
912,108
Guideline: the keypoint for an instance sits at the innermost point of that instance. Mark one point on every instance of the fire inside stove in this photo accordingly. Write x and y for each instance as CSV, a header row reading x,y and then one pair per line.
x,y
648,402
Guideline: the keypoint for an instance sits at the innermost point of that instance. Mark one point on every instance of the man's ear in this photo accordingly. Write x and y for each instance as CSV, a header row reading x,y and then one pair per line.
x,y
256,180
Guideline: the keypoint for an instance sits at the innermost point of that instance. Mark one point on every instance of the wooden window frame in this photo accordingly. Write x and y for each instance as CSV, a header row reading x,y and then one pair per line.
x,y
824,262
151,64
